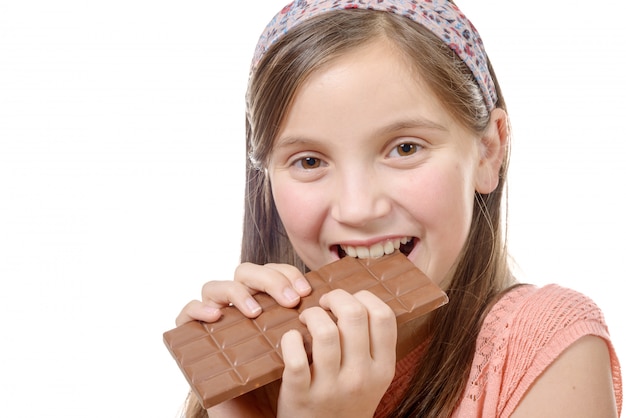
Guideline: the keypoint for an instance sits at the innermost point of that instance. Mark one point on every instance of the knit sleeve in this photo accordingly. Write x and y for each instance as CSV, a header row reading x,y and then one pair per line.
x,y
545,324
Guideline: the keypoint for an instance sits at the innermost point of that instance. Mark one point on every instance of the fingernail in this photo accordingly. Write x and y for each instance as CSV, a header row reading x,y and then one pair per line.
x,y
302,285
253,305
290,294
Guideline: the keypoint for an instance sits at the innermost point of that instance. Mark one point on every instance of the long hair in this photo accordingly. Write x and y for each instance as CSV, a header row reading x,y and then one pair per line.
x,y
481,272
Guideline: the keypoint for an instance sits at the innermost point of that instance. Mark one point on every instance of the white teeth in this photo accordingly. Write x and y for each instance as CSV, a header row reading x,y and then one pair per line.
x,y
376,250
362,252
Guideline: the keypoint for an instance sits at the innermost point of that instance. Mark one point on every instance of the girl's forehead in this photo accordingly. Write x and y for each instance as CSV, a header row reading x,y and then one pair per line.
x,y
371,87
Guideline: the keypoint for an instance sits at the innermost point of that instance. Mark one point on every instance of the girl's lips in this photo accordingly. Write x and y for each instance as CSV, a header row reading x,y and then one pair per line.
x,y
404,244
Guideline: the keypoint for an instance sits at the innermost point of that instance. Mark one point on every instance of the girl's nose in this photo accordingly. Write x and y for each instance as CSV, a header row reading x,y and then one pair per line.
x,y
359,200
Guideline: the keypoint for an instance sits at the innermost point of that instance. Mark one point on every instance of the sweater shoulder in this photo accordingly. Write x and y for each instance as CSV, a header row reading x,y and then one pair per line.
x,y
523,333
529,321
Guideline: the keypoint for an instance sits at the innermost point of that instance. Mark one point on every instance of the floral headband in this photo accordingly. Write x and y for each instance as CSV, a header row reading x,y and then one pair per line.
x,y
441,17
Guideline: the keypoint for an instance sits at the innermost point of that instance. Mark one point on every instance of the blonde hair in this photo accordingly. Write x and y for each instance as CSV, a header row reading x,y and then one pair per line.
x,y
482,272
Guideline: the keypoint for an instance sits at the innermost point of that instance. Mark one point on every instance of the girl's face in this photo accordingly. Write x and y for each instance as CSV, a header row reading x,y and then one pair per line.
x,y
367,158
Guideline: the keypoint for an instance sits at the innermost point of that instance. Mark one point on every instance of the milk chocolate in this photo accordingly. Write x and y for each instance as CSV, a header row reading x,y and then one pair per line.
x,y
236,354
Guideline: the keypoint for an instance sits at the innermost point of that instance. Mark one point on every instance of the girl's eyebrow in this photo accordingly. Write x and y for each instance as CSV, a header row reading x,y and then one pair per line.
x,y
294,140
412,123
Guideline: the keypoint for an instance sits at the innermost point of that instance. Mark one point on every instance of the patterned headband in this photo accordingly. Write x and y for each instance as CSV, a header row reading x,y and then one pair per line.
x,y
441,17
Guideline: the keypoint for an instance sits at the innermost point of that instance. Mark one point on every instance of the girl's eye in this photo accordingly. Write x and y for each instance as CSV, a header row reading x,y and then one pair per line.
x,y
308,163
404,150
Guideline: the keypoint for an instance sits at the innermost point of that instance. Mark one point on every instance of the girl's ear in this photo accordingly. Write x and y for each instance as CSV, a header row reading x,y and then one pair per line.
x,y
493,146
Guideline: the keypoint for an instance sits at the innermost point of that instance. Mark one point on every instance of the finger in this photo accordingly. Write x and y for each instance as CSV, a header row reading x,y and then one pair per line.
x,y
198,311
383,328
219,294
353,324
297,374
295,277
283,282
325,342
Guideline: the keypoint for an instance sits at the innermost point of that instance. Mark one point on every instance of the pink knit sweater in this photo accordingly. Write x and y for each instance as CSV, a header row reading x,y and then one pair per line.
x,y
522,334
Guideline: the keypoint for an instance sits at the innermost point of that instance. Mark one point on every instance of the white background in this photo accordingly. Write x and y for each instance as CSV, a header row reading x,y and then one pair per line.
x,y
121,178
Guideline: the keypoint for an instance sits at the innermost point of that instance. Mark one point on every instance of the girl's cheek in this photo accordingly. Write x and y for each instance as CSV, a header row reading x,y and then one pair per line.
x,y
298,206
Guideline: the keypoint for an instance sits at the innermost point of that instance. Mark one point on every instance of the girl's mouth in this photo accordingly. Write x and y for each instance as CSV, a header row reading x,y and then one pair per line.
x,y
405,245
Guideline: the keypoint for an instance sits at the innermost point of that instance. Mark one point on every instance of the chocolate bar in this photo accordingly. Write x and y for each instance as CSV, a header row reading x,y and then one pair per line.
x,y
236,354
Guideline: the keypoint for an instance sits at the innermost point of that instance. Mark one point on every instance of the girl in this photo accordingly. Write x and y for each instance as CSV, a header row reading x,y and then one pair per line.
x,y
379,126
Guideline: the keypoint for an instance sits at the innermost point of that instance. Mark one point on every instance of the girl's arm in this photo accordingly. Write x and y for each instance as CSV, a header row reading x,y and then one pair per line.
x,y
577,384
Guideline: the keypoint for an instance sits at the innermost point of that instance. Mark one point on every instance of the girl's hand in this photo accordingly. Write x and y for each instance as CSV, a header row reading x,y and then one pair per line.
x,y
353,359
283,282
